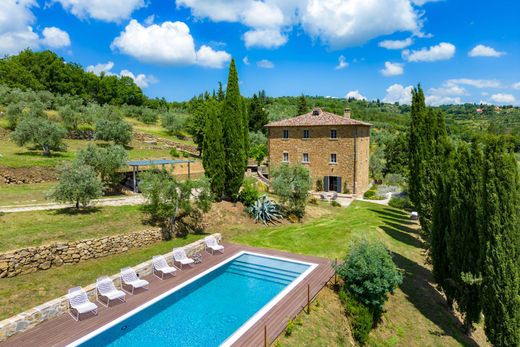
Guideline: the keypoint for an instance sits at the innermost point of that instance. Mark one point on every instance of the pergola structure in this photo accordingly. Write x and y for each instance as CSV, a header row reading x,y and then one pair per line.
x,y
135,164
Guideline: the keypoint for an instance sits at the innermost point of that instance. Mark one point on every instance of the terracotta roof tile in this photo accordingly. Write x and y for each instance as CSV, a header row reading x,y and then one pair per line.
x,y
312,119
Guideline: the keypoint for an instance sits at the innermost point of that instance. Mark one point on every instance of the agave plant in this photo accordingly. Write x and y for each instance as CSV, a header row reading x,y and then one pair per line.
x,y
265,210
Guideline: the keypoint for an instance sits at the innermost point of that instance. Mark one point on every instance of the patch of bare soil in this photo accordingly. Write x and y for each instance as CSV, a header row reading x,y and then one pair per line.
x,y
224,214
9,175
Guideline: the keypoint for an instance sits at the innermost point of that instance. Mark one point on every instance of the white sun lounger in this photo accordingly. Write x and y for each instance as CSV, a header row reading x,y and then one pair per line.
x,y
160,265
212,243
129,278
105,288
79,302
179,256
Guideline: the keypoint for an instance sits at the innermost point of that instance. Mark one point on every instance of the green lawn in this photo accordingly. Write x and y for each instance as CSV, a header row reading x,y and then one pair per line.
x,y
24,194
24,292
416,314
23,229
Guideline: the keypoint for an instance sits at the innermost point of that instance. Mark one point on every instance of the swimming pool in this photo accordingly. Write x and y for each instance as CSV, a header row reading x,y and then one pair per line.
x,y
214,308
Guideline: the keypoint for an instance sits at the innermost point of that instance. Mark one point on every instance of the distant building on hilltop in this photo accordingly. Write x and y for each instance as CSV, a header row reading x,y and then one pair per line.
x,y
335,148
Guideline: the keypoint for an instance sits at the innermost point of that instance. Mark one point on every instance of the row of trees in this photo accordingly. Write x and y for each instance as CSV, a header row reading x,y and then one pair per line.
x,y
32,126
468,198
47,71
226,139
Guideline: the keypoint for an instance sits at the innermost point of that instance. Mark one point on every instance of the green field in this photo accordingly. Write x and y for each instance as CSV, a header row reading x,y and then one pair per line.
x,y
23,229
415,315
24,194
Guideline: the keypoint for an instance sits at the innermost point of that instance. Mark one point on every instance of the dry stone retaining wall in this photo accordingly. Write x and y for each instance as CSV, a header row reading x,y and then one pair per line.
x,y
51,309
32,259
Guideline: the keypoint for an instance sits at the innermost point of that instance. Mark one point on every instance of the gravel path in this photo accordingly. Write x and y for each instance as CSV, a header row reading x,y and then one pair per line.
x,y
127,200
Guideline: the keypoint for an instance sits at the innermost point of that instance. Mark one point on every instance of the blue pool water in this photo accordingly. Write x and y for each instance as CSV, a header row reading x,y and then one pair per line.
x,y
207,311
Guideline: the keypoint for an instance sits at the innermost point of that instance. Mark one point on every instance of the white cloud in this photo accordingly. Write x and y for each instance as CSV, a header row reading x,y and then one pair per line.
x,y
246,60
396,44
474,83
99,68
16,33
503,98
55,38
142,80
392,69
355,94
336,23
442,51
149,20
208,57
104,10
516,85
168,43
448,94
436,100
485,51
422,2
342,63
265,64
398,93
264,38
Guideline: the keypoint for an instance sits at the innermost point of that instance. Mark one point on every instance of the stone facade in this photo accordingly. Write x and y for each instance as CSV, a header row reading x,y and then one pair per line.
x,y
351,146
31,259
30,318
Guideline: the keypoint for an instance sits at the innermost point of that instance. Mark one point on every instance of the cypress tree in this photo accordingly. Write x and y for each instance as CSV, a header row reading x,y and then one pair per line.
x,y
233,134
302,105
462,238
417,117
439,230
500,253
245,130
213,155
258,116
220,93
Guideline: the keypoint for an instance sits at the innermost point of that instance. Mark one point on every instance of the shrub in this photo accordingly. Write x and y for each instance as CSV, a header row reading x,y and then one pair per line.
x,y
395,180
370,274
292,183
335,203
359,315
402,202
265,210
313,201
248,195
319,185
369,194
174,152
290,327
345,188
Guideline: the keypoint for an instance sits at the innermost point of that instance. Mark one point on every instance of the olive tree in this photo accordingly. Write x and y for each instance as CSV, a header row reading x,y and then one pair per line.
x,y
116,130
106,161
40,132
78,184
170,202
292,184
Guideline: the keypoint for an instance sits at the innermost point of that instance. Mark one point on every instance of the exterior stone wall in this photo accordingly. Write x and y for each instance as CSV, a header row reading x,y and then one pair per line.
x,y
51,309
31,259
352,145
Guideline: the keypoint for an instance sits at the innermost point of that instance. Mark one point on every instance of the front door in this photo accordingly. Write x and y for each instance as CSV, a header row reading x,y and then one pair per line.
x,y
332,184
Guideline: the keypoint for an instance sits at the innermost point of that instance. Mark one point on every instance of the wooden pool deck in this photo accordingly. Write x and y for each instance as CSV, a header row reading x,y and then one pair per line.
x,y
63,330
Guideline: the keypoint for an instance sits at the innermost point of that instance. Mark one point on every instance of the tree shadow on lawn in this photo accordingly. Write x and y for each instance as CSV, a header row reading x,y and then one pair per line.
x,y
394,215
431,304
401,236
72,211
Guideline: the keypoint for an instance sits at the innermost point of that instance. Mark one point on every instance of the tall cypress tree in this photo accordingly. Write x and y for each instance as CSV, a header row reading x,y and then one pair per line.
x,y
213,154
439,230
245,131
302,105
500,235
220,93
233,134
462,238
417,119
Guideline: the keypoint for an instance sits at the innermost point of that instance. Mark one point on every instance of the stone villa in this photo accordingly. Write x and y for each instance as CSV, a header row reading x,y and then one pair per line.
x,y
334,148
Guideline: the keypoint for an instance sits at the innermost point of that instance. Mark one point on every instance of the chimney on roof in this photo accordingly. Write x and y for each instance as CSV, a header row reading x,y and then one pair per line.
x,y
316,111
347,113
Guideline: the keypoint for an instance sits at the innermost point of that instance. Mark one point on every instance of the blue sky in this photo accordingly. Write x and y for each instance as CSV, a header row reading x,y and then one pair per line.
x,y
459,50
